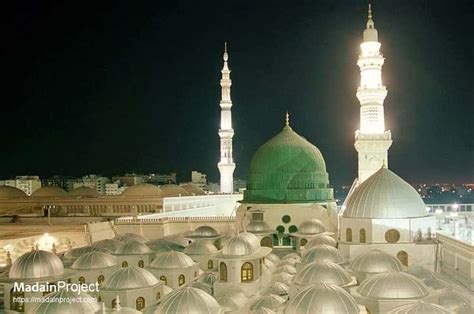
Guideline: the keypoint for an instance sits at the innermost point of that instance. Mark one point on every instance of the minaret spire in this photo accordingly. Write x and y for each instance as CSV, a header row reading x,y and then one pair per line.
x,y
287,119
372,140
226,132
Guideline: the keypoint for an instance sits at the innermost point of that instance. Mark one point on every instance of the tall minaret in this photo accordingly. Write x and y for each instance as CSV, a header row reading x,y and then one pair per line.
x,y
226,165
372,141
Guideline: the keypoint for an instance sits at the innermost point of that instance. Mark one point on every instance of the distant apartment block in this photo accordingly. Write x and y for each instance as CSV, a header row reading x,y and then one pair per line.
x,y
27,184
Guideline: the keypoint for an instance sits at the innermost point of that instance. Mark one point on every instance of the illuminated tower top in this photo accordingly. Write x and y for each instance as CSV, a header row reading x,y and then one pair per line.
x,y
372,140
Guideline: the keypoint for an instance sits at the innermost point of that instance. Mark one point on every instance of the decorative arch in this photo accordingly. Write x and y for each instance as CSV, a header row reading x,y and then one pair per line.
x,y
114,303
82,280
246,272
223,272
100,279
163,278
362,235
158,295
303,242
181,280
140,303
124,264
141,263
403,257
266,241
348,235
210,264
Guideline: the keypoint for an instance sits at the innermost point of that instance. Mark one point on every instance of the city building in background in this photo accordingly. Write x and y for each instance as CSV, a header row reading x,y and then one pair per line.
x,y
27,184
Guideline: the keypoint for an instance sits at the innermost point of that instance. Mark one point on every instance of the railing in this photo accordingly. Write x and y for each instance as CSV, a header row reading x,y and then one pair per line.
x,y
136,220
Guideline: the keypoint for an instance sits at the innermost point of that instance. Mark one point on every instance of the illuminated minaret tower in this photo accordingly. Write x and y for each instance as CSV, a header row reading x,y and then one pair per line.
x,y
226,165
372,141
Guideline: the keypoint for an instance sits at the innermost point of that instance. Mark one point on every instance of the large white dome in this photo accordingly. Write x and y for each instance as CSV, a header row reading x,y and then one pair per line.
x,y
244,243
324,271
384,195
322,298
375,261
189,300
322,253
172,259
36,264
130,278
94,260
393,285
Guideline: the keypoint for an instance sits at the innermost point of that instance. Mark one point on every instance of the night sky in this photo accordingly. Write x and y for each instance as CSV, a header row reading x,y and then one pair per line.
x,y
113,88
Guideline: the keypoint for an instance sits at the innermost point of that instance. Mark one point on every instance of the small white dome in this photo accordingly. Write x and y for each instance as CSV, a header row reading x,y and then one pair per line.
x,y
420,307
107,244
322,298
285,269
282,277
127,237
94,260
375,261
322,253
321,239
130,278
133,248
324,271
36,264
88,305
311,226
273,257
258,226
270,301
79,251
291,256
204,232
200,247
172,259
232,299
384,195
244,243
189,300
393,285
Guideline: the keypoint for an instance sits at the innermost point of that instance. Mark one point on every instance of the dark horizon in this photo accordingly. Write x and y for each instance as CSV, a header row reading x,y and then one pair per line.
x,y
113,89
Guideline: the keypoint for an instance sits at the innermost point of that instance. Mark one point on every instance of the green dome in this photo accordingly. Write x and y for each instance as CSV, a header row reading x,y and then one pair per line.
x,y
287,169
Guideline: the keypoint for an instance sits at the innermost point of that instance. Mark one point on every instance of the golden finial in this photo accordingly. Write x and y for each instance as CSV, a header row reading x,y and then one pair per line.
x,y
287,119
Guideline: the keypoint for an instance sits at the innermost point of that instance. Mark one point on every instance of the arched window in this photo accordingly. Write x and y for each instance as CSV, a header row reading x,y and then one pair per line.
x,y
82,280
223,272
100,279
141,264
403,257
362,235
348,235
140,303
124,264
17,301
114,303
246,272
303,242
181,280
210,264
266,241
163,278
158,295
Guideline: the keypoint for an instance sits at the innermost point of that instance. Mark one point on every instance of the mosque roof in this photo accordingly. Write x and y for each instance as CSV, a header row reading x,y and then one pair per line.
x,y
393,285
170,190
36,264
270,301
7,191
193,189
287,169
420,307
203,232
189,300
84,191
172,259
133,248
310,227
258,226
375,261
245,243
108,244
384,195
94,260
323,271
319,239
322,253
127,237
131,277
143,189
201,247
49,191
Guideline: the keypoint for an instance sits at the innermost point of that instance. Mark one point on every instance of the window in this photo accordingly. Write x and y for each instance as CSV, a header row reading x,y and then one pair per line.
x,y
100,279
181,280
163,278
114,303
303,242
210,264
223,272
82,280
140,303
158,295
293,229
124,264
348,234
362,235
141,263
246,272
257,216
195,274
280,229
286,219
392,236
403,257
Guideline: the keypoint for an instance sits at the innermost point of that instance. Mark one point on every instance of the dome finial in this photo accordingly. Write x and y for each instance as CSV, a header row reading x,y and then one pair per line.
x,y
226,55
384,163
370,22
287,119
